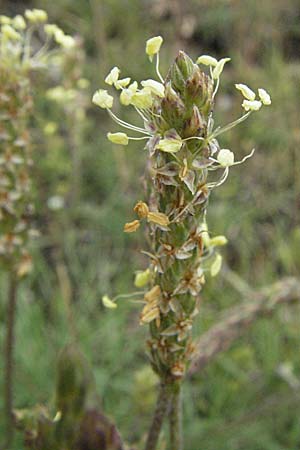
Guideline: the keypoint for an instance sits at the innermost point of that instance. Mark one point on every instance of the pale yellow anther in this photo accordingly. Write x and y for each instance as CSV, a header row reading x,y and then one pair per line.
x,y
153,45
246,91
103,99
264,96
219,68
207,60
118,138
131,227
113,76
249,105
158,218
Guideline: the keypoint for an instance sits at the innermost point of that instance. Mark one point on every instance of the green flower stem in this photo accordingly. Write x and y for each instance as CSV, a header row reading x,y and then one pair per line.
x,y
9,360
162,404
175,419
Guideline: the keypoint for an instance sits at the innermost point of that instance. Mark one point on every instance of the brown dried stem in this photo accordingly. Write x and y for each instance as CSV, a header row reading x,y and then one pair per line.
x,y
222,335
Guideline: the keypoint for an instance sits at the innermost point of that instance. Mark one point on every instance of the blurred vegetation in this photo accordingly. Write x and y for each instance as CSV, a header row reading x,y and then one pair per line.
x,y
242,400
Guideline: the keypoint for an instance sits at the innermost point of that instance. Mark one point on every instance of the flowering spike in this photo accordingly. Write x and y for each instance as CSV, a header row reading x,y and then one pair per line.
x,y
182,150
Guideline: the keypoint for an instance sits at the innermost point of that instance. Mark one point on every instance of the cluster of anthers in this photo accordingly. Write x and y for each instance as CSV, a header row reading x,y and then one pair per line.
x,y
181,142
17,34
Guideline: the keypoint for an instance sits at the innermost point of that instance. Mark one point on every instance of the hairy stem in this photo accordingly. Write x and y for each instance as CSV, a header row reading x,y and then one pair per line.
x,y
162,405
9,360
176,440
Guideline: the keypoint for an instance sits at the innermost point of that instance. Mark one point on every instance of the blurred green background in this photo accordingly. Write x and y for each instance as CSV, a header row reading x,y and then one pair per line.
x,y
240,401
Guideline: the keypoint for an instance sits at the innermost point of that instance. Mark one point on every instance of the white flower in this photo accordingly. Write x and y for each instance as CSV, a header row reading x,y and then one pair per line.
x,y
169,145
225,157
264,96
249,105
118,138
155,87
219,68
246,91
113,76
153,45
103,99
207,60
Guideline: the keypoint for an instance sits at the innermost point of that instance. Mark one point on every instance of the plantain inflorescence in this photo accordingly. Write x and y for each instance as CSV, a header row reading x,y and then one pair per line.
x,y
26,44
185,163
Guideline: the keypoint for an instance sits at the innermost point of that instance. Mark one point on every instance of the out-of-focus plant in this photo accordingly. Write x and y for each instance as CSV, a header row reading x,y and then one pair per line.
x,y
183,156
26,44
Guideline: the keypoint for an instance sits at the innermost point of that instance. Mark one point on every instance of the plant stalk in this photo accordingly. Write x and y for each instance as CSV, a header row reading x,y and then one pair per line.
x,y
9,360
161,409
175,419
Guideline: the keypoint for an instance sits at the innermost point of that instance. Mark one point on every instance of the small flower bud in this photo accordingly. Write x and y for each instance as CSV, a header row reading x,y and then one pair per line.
x,y
219,68
131,227
142,278
103,99
118,138
254,105
246,91
207,60
153,45
158,218
142,210
108,303
264,96
225,157
113,76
